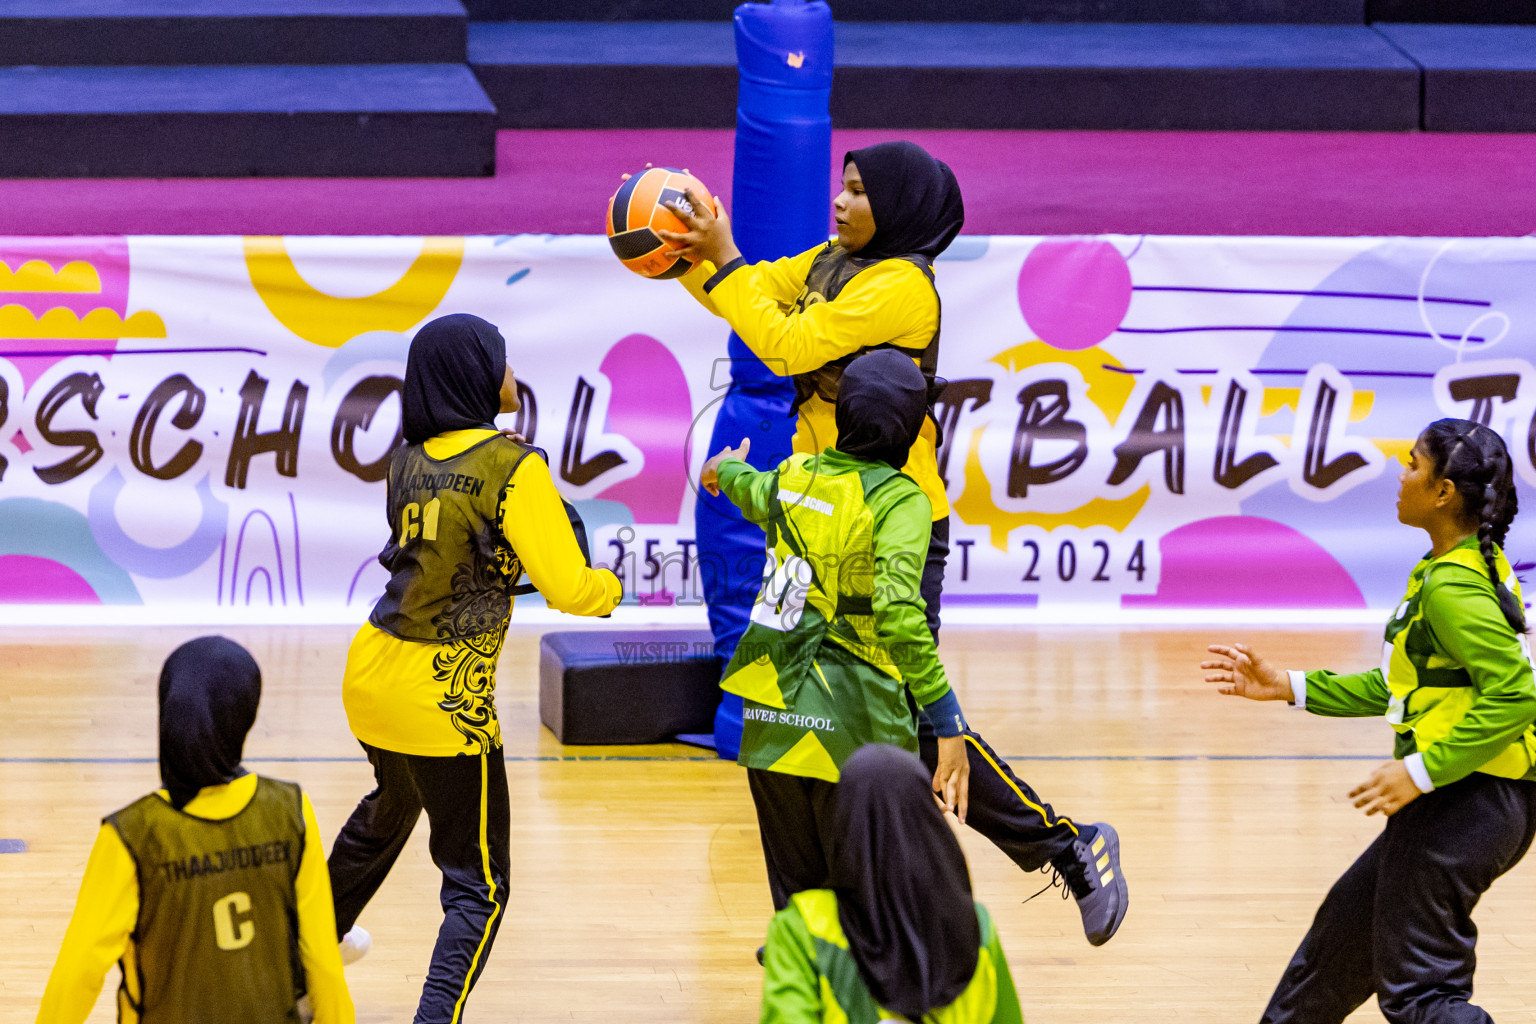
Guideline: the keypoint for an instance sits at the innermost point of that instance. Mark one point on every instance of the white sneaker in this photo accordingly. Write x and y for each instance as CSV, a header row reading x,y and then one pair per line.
x,y
355,945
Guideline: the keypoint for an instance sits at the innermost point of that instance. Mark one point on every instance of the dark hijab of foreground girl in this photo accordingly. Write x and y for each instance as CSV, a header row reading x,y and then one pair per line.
x,y
903,892
913,197
209,690
453,377
881,401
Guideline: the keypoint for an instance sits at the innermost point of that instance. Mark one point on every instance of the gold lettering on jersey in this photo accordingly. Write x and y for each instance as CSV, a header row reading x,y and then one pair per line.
x,y
232,934
416,519
429,516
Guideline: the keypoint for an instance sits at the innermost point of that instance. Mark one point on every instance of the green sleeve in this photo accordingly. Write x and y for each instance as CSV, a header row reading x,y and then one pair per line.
x,y
903,525
1461,609
791,987
749,490
1008,1010
1356,695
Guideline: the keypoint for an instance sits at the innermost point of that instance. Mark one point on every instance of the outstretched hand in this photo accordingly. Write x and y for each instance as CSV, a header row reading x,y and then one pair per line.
x,y
1240,672
709,233
709,478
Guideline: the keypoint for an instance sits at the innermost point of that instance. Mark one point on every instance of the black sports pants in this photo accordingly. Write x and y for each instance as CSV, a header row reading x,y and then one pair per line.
x,y
794,816
1398,923
469,816
1002,806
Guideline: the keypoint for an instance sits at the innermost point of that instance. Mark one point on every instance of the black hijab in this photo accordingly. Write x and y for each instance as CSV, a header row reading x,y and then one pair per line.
x,y
903,892
453,377
209,689
881,401
914,198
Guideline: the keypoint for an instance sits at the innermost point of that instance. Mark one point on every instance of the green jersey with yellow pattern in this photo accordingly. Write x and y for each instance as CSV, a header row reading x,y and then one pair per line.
x,y
838,633
810,974
1455,680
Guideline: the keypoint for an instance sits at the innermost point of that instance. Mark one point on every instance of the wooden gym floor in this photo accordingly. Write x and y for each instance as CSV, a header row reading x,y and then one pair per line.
x,y
638,891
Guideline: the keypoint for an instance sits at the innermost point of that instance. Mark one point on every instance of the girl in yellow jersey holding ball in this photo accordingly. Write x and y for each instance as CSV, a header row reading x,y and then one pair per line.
x,y
809,316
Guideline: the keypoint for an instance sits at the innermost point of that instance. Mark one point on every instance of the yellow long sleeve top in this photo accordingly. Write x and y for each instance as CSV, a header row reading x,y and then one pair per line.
x,y
107,911
397,692
793,330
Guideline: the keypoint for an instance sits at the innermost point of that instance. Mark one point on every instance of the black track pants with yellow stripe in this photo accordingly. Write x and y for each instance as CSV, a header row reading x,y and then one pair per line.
x,y
469,816
1002,806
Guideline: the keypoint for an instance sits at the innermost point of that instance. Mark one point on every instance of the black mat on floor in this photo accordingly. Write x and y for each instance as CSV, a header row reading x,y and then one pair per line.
x,y
628,686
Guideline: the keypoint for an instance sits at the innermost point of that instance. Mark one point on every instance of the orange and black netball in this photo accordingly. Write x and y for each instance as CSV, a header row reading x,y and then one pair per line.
x,y
638,210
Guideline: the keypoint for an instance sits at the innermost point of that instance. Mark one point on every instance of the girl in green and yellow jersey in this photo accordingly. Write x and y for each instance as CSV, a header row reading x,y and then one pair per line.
x,y
895,935
210,894
1456,686
809,316
837,650
469,512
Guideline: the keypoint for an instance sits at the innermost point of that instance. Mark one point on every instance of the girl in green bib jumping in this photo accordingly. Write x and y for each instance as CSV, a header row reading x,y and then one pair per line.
x,y
837,640
1456,685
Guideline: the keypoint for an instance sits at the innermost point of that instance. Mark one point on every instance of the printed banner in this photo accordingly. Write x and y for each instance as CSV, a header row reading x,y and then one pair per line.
x,y
1144,422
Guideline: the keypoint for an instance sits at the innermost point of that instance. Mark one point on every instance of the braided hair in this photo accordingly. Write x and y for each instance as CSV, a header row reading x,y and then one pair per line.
x,y
1473,458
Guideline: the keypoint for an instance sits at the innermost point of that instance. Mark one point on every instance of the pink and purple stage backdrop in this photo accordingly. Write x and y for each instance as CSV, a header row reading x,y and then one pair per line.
x,y
1141,422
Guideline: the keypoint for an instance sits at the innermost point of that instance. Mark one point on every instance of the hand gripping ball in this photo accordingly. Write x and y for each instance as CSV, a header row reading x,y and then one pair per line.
x,y
635,213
